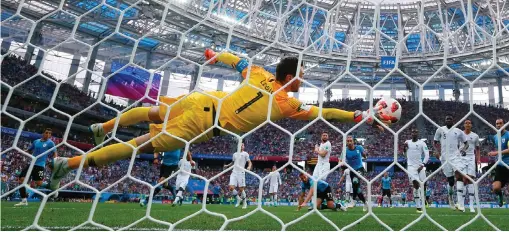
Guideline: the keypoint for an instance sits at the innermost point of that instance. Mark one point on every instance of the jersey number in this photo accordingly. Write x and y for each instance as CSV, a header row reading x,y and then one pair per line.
x,y
259,95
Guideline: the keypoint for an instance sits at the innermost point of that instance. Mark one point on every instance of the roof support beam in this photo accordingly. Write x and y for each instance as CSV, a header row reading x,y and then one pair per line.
x,y
90,68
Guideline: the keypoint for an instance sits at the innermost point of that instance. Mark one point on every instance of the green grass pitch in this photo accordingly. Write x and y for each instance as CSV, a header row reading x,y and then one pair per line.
x,y
64,216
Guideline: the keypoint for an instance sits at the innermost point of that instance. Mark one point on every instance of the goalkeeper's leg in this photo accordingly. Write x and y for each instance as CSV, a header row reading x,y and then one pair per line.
x,y
136,115
197,118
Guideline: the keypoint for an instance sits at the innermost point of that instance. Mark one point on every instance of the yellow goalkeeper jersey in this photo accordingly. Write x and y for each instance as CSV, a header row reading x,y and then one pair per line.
x,y
248,107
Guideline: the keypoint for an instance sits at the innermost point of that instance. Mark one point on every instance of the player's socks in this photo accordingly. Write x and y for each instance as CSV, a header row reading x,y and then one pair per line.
x,y
500,198
105,155
243,198
471,195
23,192
171,189
450,193
275,200
133,116
460,189
243,195
417,199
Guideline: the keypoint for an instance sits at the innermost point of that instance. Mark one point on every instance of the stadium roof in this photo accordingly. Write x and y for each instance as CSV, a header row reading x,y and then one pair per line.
x,y
327,31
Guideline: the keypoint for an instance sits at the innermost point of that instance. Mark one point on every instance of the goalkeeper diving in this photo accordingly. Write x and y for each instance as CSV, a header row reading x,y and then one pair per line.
x,y
190,115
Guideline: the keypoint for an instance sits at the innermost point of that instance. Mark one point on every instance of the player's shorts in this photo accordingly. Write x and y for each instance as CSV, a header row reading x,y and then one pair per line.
x,y
36,175
181,182
189,116
386,192
469,166
326,195
413,174
348,188
166,170
502,175
273,188
354,176
321,169
238,179
447,168
456,163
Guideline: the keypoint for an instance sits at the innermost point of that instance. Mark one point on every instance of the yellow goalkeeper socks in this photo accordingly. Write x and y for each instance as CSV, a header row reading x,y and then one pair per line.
x,y
105,155
133,116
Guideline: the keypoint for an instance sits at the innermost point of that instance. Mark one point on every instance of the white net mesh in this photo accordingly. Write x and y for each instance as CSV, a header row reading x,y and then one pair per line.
x,y
341,43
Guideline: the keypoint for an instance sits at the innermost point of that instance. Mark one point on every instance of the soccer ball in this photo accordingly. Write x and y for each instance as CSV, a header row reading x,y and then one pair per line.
x,y
389,109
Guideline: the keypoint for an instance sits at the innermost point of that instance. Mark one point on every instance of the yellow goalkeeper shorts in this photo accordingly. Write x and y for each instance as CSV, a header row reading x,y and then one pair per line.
x,y
189,117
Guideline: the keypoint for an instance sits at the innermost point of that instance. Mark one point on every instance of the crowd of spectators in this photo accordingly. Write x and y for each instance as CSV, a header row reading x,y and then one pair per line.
x,y
266,141
108,177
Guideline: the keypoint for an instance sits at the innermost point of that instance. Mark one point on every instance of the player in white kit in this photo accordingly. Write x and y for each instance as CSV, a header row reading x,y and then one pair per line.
x,y
324,150
468,166
448,141
274,181
415,150
183,177
238,176
348,186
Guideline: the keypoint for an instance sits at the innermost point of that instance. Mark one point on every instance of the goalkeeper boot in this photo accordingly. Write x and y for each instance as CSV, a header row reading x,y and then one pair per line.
x,y
98,131
60,168
419,210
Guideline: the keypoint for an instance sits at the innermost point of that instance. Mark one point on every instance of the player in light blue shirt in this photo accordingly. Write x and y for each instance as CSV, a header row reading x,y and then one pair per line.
x,y
354,155
41,148
501,172
386,187
403,197
324,193
428,196
169,165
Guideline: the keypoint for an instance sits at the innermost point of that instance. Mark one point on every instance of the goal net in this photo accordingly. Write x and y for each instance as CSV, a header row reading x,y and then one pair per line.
x,y
69,64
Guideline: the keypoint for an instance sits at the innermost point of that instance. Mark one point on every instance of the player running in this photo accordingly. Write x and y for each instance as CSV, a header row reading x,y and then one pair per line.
x,y
386,188
468,166
354,156
238,176
448,140
275,181
195,113
169,165
428,197
324,150
403,198
501,172
324,193
415,149
348,186
183,178
43,146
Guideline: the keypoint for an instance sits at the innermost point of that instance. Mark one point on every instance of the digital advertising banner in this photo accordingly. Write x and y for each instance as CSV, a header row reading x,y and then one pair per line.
x,y
131,82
